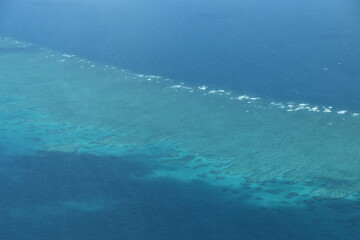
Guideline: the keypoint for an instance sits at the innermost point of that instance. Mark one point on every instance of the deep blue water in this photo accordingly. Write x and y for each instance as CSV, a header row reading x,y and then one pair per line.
x,y
298,50
159,209
290,50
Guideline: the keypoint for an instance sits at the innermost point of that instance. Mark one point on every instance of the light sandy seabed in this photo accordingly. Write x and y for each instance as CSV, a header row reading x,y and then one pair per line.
x,y
253,139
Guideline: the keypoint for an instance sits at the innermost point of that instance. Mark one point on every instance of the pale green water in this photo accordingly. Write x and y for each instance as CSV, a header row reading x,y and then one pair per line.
x,y
253,138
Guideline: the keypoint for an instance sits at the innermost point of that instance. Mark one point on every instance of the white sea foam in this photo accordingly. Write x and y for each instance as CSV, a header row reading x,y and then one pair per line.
x,y
187,88
341,112
314,109
305,106
243,97
175,86
153,76
290,106
67,55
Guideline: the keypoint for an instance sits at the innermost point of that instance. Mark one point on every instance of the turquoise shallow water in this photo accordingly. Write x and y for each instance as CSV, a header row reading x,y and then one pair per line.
x,y
93,151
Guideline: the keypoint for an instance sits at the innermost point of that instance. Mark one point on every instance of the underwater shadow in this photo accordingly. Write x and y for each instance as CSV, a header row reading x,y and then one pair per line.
x,y
56,195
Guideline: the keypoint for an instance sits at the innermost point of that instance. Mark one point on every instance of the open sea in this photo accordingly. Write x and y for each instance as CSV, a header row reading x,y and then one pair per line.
x,y
179,119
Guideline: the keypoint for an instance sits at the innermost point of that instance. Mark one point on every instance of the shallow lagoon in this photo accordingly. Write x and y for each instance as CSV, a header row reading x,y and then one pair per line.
x,y
94,151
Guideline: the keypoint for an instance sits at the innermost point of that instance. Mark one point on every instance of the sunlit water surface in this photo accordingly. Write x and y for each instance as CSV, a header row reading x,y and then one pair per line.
x,y
94,151
179,120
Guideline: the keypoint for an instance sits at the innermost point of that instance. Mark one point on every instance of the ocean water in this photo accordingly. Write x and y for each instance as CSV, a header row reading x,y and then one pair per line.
x,y
293,50
179,120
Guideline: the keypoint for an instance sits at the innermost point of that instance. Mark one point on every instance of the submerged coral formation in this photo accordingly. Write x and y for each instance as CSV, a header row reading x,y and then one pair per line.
x,y
248,138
